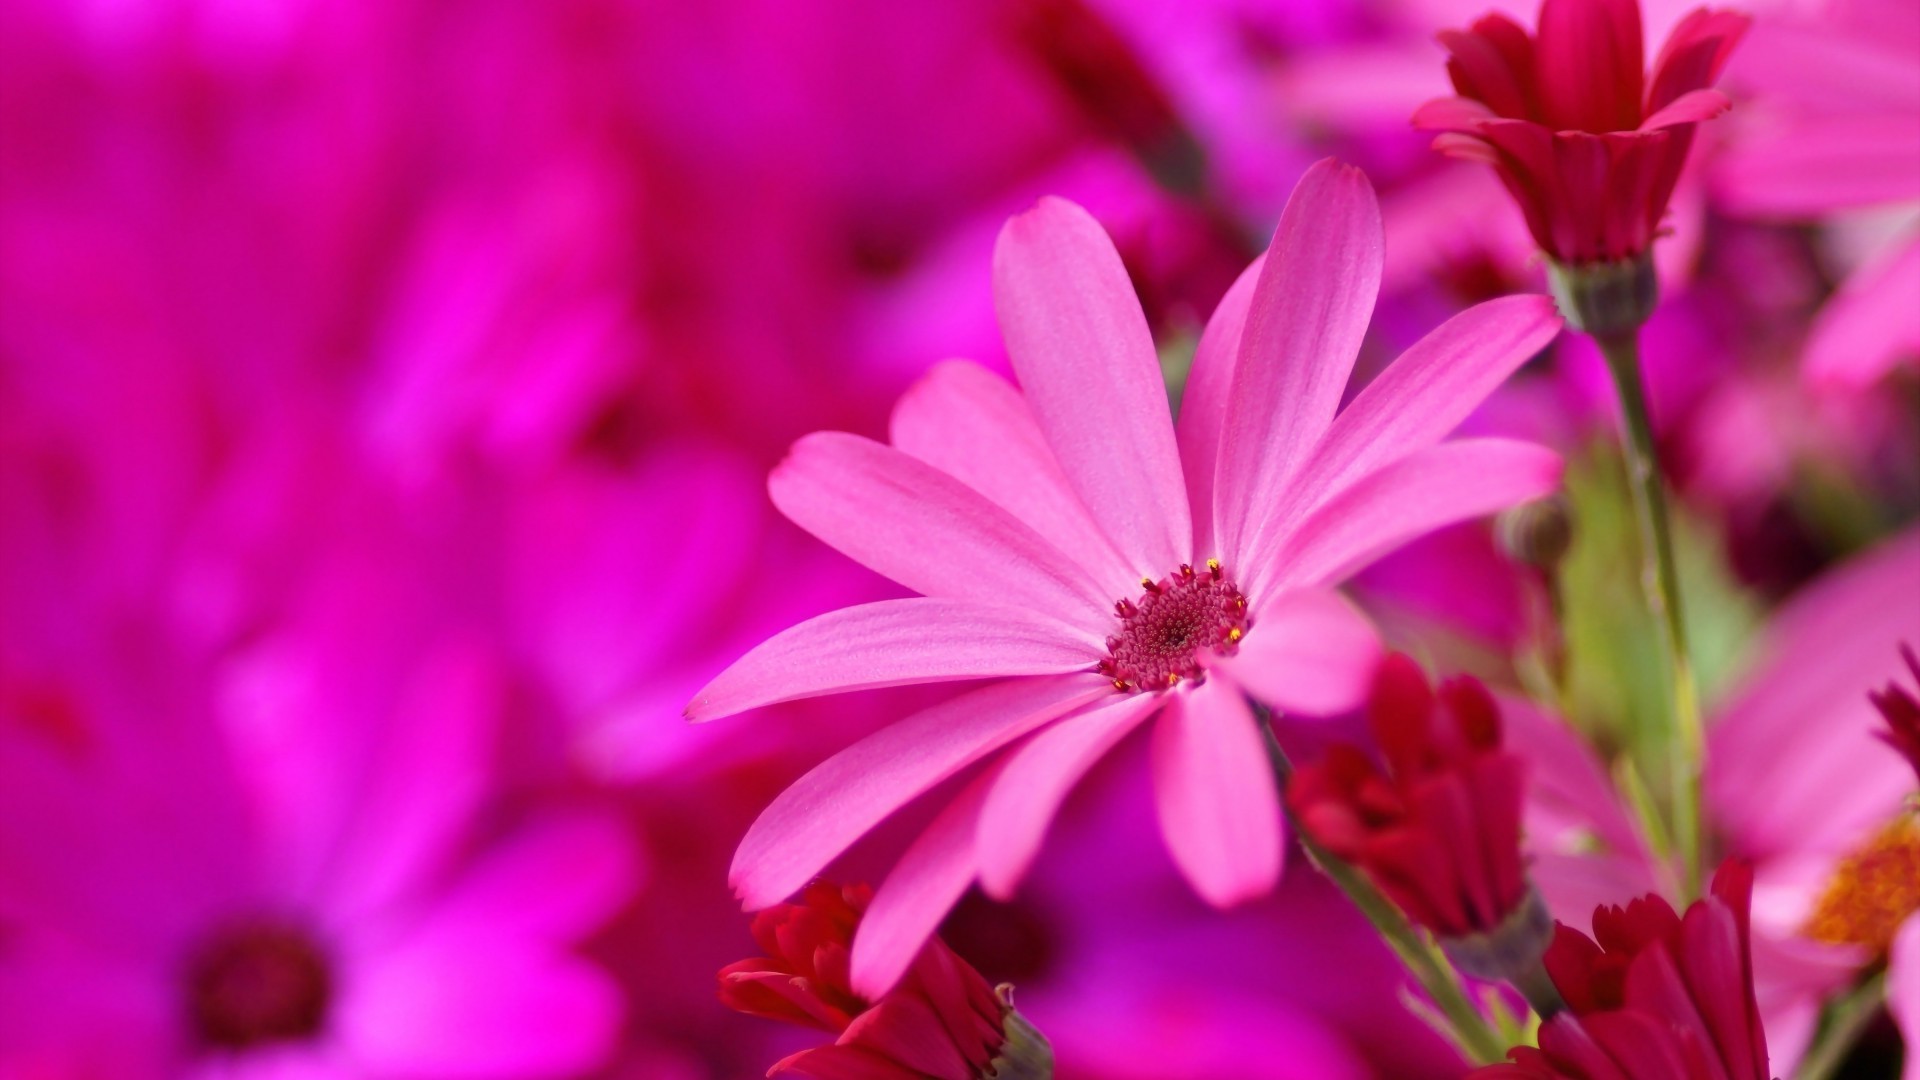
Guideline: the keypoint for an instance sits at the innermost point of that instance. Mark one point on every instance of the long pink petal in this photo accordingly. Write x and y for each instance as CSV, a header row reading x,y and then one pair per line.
x,y
1309,651
1203,404
918,892
1870,325
1085,358
974,426
1036,779
924,529
1428,391
1309,312
893,643
1903,992
1438,486
825,811
1219,807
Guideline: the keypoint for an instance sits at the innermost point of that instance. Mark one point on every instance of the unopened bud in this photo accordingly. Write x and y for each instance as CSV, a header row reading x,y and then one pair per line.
x,y
1605,299
1538,533
1512,953
1026,1055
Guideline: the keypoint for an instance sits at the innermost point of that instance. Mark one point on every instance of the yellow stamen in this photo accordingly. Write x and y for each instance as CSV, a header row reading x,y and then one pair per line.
x,y
1873,891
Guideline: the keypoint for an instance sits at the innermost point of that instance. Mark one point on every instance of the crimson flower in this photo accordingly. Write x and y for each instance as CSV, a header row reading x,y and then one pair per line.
x,y
1902,712
940,1022
1439,830
1589,144
1653,995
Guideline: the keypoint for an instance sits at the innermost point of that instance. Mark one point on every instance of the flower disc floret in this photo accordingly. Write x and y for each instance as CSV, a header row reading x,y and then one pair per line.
x,y
1163,633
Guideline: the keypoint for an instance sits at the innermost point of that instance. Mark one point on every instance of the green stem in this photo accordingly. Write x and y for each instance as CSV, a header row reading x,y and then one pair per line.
x,y
1471,1030
1661,578
1849,1018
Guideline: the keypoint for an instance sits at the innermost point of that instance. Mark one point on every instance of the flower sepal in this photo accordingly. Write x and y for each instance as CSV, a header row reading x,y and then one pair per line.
x,y
1605,299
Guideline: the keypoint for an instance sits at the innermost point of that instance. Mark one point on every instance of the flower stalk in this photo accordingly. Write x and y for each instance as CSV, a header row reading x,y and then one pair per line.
x,y
1466,1025
1609,302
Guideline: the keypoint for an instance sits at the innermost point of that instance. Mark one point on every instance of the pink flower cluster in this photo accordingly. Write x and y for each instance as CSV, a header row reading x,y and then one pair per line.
x,y
413,415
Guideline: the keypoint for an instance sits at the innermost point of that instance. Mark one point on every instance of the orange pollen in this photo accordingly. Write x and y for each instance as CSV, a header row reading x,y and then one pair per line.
x,y
1161,634
1874,890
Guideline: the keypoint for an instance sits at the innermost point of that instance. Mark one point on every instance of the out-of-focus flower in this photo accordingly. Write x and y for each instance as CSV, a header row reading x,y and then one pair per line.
x,y
1834,105
1653,995
291,878
942,1022
1202,552
1589,143
1901,711
1439,829
1796,785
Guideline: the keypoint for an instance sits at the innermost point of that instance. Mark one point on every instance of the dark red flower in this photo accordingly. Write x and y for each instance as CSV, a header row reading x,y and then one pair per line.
x,y
1902,712
1439,830
1589,144
941,1022
1652,995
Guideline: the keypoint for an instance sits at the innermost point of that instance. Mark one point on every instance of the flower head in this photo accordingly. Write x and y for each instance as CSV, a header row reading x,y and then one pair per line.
x,y
1653,995
942,1022
1902,712
1439,829
1589,143
1103,567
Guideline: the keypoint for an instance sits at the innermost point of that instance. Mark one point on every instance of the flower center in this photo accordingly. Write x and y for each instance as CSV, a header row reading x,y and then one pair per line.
x,y
1161,634
257,984
1874,890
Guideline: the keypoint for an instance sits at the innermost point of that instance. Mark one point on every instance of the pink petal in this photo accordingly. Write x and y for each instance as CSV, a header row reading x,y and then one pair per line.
x,y
1309,312
422,783
974,426
1085,358
893,643
1870,325
476,1005
922,887
556,879
924,529
1689,108
1429,390
1203,404
1903,992
1219,807
1309,651
1036,778
1835,163
825,811
1438,486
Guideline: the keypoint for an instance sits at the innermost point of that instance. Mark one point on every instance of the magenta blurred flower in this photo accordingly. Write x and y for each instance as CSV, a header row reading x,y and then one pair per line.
x,y
1206,551
943,1022
1587,141
286,873
1653,995
1901,711
1439,830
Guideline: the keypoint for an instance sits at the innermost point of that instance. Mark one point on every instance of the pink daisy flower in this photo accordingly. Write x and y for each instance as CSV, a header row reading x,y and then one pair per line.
x,y
1103,566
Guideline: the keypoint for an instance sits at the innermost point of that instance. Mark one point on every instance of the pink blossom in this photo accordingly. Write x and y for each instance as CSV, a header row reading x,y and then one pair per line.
x,y
1201,557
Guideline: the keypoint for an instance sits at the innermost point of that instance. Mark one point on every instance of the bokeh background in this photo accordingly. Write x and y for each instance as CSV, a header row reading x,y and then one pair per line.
x,y
386,392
